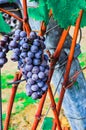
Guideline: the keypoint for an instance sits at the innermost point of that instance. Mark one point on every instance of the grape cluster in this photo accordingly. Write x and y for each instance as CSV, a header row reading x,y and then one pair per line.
x,y
3,50
29,52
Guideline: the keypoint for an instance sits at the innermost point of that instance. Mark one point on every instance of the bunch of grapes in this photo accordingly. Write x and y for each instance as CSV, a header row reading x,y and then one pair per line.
x,y
3,50
29,52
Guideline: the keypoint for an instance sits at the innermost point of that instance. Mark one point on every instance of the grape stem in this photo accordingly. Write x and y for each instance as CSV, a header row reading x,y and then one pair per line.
x,y
16,82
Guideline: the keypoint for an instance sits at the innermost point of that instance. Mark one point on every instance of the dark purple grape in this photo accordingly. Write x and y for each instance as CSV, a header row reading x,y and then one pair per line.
x,y
40,84
28,90
36,42
30,54
46,57
25,46
2,61
5,38
42,68
45,79
42,45
2,55
21,42
34,95
28,60
25,39
2,43
34,49
17,51
34,87
23,34
13,44
16,38
23,55
28,67
17,32
35,70
34,77
30,81
39,92
33,35
29,74
44,88
5,49
41,75
36,61
39,54
14,57
46,72
0,49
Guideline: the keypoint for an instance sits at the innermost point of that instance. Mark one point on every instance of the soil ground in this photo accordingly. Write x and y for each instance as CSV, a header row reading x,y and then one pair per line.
x,y
24,119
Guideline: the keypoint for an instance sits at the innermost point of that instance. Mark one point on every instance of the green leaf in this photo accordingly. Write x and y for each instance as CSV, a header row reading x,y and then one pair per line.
x,y
65,12
40,13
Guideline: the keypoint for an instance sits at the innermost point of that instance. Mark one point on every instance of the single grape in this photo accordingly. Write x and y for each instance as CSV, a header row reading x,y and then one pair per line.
x,y
36,42
30,54
34,77
23,34
13,44
33,35
17,51
42,68
16,38
6,38
46,72
23,55
45,79
2,61
28,67
44,88
41,75
28,60
14,57
5,49
34,87
21,42
36,61
39,54
2,54
35,70
46,57
25,46
40,84
34,95
17,32
30,81
28,90
2,43
34,49
29,74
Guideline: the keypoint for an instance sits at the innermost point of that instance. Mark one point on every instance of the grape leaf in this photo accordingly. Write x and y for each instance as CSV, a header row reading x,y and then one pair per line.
x,y
4,27
65,12
40,13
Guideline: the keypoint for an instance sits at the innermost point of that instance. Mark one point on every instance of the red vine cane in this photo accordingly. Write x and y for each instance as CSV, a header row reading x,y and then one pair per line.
x,y
18,76
70,59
